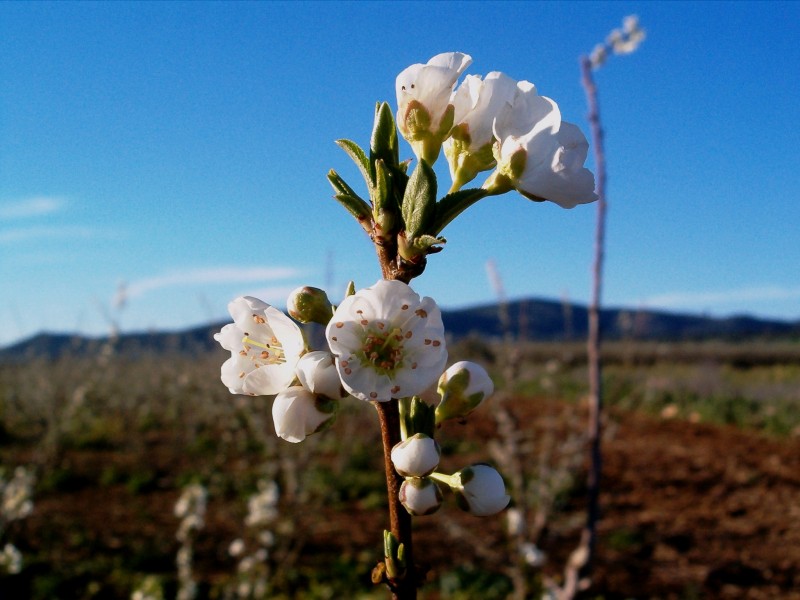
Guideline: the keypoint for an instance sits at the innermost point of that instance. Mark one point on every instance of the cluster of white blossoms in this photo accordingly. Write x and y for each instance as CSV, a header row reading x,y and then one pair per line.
x,y
385,342
493,123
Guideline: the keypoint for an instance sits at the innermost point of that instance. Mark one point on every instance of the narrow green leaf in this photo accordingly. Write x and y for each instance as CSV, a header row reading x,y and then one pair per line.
x,y
452,205
383,145
356,207
359,157
340,185
419,201
384,211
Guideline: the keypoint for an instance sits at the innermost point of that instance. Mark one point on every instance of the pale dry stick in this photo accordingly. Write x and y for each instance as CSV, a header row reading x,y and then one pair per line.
x,y
580,561
581,558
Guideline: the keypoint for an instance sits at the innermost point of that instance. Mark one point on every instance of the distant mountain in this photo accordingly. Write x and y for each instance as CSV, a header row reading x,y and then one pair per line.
x,y
544,320
530,319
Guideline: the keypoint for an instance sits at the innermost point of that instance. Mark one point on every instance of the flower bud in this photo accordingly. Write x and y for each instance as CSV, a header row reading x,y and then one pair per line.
x,y
297,413
480,490
420,496
417,456
309,305
317,373
462,387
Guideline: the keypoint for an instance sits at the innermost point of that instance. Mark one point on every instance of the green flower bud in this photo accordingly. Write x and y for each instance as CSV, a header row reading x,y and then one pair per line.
x,y
309,305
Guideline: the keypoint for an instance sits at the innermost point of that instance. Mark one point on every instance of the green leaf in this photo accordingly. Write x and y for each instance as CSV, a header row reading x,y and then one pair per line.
x,y
340,185
359,157
356,207
452,205
383,144
419,201
383,201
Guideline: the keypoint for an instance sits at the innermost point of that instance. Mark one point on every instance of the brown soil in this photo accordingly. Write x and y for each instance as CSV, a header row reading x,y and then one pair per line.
x,y
710,511
689,511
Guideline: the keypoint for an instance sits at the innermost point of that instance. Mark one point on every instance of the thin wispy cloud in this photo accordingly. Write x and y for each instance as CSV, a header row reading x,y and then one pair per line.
x,y
707,299
35,206
43,232
276,295
215,275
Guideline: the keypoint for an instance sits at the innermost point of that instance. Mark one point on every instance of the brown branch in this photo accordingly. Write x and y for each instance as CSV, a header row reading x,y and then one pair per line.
x,y
404,587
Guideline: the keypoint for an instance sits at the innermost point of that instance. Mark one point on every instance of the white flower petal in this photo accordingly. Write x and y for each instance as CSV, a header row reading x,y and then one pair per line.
x,y
420,496
296,415
265,346
416,456
387,341
317,373
482,491
430,85
230,337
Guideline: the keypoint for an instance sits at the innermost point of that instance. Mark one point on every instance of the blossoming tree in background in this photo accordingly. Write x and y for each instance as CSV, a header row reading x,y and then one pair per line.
x,y
385,344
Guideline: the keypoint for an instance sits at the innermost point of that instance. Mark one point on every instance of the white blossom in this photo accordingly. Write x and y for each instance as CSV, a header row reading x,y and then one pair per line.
x,y
265,346
477,103
416,456
462,388
297,413
480,490
420,496
317,373
388,342
540,155
424,111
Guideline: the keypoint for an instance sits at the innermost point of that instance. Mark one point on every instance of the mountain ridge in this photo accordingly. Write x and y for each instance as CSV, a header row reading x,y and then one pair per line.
x,y
532,319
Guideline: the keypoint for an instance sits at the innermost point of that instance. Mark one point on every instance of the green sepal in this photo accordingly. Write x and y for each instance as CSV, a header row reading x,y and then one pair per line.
x,y
359,157
452,205
383,145
415,249
420,418
419,201
350,290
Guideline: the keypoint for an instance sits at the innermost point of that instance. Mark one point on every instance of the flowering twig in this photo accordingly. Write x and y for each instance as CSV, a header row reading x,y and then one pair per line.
x,y
386,344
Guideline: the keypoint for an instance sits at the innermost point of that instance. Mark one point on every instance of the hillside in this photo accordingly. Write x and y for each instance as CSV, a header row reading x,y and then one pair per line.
x,y
528,319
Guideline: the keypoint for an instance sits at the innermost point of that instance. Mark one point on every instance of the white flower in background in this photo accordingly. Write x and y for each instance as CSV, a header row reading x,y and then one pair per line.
x,y
462,388
540,155
10,560
476,104
262,507
420,496
416,456
317,373
265,345
480,490
424,111
15,495
297,413
192,502
627,40
532,555
388,342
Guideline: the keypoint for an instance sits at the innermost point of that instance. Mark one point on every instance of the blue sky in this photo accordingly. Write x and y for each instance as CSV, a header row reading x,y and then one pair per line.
x,y
182,148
